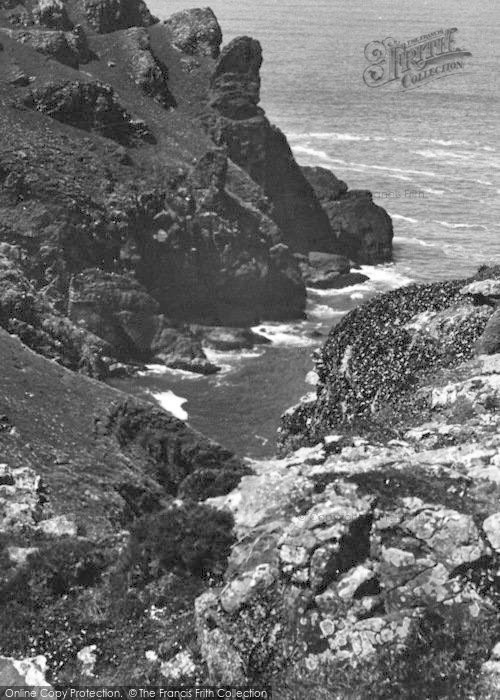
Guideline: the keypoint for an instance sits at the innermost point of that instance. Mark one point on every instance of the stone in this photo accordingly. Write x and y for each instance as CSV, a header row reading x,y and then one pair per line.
x,y
19,555
23,672
89,106
180,667
241,590
488,342
196,32
362,230
110,15
58,526
52,14
87,658
483,290
491,527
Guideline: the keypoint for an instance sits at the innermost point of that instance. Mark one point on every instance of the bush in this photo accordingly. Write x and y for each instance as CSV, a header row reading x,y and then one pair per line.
x,y
190,538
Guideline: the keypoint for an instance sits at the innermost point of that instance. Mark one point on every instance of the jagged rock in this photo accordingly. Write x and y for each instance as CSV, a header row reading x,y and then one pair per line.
x,y
120,311
237,122
196,31
363,229
147,72
52,14
328,271
89,106
227,339
483,291
181,455
20,498
110,15
224,664
57,44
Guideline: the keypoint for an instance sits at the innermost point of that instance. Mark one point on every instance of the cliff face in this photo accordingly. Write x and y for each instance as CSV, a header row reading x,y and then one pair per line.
x,y
367,564
139,149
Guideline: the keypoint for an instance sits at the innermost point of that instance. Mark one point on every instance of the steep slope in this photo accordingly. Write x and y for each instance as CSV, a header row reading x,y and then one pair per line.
x,y
138,149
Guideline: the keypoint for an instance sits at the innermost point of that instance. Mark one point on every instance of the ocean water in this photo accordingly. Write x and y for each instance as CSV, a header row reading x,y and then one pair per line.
x,y
430,155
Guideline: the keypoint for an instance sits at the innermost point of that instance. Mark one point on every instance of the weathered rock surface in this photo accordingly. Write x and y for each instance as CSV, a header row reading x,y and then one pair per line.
x,y
355,544
363,230
109,15
90,106
196,31
261,149
328,271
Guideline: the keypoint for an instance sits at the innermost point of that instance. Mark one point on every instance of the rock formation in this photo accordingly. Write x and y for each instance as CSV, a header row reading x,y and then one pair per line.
x,y
363,230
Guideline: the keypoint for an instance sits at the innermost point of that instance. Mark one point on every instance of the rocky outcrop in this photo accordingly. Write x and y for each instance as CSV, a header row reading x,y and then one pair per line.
x,y
363,230
148,73
52,14
110,15
196,32
262,150
69,48
27,314
118,309
347,549
328,271
90,106
378,350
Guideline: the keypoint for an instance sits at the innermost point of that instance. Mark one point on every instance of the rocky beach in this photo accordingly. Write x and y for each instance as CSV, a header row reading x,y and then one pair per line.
x,y
153,216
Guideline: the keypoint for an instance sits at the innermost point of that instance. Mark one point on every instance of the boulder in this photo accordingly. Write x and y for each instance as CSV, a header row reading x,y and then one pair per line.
x,y
196,32
328,271
226,339
52,14
363,230
91,106
485,291
491,527
489,342
105,16
147,71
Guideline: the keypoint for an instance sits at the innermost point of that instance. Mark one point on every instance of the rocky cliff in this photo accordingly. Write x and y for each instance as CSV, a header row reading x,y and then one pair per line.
x,y
366,563
137,150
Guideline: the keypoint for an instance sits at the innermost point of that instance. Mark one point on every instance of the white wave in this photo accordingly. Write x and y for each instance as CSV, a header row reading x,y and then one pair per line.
x,y
322,310
334,136
155,369
357,295
385,276
400,217
448,224
413,239
171,402
285,334
429,190
441,153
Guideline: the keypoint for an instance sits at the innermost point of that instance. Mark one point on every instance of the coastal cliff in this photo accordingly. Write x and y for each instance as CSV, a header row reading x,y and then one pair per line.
x,y
148,205
136,151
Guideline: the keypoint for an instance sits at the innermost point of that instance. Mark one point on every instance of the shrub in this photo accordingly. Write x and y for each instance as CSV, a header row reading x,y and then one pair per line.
x,y
190,537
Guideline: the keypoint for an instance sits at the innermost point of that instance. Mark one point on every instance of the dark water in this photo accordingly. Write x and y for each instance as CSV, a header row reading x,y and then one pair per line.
x,y
430,155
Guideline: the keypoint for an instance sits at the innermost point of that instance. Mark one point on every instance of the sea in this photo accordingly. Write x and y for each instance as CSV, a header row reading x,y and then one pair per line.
x,y
429,152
